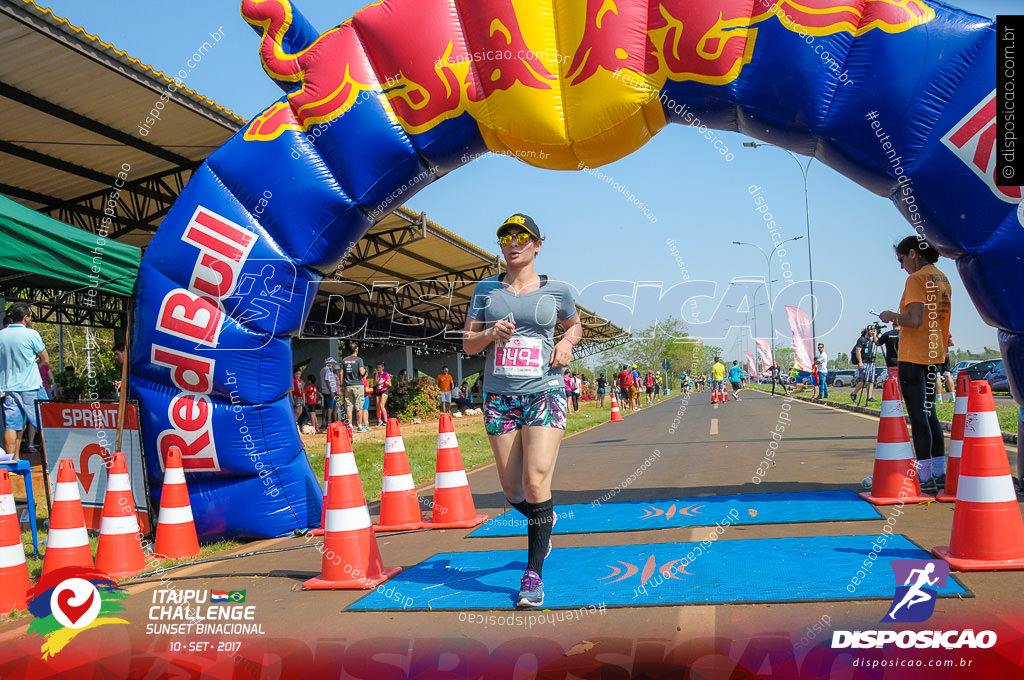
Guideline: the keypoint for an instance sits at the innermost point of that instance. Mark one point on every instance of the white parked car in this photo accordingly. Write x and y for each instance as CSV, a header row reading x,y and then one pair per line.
x,y
960,365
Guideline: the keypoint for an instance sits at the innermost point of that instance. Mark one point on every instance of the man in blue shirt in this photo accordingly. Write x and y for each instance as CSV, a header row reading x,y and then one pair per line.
x,y
734,378
20,347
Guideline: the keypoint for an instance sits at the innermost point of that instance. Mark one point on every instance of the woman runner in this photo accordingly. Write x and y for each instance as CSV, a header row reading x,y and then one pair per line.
x,y
513,316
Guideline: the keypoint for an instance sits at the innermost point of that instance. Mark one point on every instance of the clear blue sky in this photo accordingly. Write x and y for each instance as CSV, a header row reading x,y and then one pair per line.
x,y
699,201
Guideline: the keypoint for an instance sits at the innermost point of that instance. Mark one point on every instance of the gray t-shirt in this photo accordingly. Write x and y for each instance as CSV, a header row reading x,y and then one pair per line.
x,y
520,366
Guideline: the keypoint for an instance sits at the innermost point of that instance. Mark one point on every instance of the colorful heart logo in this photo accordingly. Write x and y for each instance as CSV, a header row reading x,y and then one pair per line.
x,y
75,603
73,612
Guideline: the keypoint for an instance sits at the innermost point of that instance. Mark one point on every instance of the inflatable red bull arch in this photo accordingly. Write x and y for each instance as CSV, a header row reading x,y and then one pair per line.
x,y
898,95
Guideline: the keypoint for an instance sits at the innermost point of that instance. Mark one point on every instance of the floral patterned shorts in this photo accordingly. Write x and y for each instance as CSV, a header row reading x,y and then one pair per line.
x,y
504,413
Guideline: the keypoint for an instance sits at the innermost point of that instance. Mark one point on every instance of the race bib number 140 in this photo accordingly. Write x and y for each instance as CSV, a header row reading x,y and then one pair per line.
x,y
519,358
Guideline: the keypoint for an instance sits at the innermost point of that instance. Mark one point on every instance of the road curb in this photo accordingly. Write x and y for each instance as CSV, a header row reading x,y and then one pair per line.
x,y
1008,437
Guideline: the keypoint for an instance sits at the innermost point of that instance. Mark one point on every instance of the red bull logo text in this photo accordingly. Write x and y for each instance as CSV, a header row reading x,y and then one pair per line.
x,y
505,58
195,314
973,140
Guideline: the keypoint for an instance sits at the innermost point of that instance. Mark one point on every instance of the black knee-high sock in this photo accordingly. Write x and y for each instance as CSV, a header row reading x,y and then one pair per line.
x,y
539,532
522,506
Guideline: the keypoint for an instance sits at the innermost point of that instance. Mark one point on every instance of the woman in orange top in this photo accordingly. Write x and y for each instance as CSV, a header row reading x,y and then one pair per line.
x,y
924,326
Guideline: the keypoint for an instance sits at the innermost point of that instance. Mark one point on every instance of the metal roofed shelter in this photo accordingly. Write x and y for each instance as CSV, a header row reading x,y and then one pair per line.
x,y
71,106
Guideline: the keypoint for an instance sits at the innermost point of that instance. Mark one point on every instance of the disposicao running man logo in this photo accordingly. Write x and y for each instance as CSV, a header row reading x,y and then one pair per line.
x,y
914,601
69,601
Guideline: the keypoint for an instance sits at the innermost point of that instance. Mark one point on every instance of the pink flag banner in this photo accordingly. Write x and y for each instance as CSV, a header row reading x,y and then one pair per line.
x,y
800,324
765,351
752,366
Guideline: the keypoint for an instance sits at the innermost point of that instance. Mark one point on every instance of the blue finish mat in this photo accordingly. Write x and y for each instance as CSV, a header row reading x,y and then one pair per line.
x,y
705,572
751,508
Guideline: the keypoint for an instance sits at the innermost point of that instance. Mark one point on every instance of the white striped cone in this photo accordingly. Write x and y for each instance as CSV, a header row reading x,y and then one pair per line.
x,y
175,529
399,504
350,555
319,531
14,580
119,552
956,440
616,414
67,542
988,532
453,501
894,479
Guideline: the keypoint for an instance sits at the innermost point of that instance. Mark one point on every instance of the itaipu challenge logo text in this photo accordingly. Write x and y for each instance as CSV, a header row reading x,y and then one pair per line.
x,y
202,612
68,601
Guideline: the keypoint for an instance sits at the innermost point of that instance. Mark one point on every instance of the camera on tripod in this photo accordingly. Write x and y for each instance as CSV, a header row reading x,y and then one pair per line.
x,y
877,326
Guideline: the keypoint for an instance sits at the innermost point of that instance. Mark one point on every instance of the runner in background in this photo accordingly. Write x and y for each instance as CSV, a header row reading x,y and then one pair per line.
x,y
734,379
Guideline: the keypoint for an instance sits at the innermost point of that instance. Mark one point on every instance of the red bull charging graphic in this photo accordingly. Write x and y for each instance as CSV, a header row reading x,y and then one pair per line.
x,y
369,115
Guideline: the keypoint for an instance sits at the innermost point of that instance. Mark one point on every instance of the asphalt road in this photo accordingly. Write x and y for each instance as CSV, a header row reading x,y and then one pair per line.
x,y
704,450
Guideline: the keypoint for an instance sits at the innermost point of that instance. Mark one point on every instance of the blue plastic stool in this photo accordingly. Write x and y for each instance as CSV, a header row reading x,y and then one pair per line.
x,y
24,468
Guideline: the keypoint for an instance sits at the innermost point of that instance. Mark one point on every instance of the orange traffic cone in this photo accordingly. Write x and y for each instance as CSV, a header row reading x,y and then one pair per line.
x,y
399,504
725,394
350,555
956,440
895,466
119,552
175,528
988,532
714,396
453,501
319,531
616,414
67,544
14,581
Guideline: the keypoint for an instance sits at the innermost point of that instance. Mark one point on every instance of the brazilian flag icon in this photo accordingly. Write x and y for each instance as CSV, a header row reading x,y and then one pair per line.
x,y
237,596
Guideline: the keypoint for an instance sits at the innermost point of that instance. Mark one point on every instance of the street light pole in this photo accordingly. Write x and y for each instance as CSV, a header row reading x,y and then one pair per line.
x,y
807,217
768,261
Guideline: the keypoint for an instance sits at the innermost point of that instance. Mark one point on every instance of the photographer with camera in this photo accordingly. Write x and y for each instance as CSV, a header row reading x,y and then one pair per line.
x,y
863,355
890,342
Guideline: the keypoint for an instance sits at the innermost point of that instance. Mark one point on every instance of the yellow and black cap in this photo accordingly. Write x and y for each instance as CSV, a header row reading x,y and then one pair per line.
x,y
524,222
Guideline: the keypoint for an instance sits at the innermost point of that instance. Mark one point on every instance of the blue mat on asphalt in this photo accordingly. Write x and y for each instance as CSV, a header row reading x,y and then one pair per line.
x,y
751,508
703,572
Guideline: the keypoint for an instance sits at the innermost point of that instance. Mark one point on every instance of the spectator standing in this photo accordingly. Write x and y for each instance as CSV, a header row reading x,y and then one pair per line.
x,y
890,343
946,380
20,349
352,385
445,383
298,399
718,376
864,353
821,361
577,386
649,383
381,383
329,389
922,350
625,381
602,388
364,415
312,397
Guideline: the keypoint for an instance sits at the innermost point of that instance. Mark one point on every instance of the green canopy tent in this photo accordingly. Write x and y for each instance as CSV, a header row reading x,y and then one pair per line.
x,y
38,252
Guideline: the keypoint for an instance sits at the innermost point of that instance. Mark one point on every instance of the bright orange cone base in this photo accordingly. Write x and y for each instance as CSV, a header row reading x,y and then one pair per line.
x,y
319,583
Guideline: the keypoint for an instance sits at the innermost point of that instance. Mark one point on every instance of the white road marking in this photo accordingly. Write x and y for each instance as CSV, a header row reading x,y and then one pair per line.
x,y
714,426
